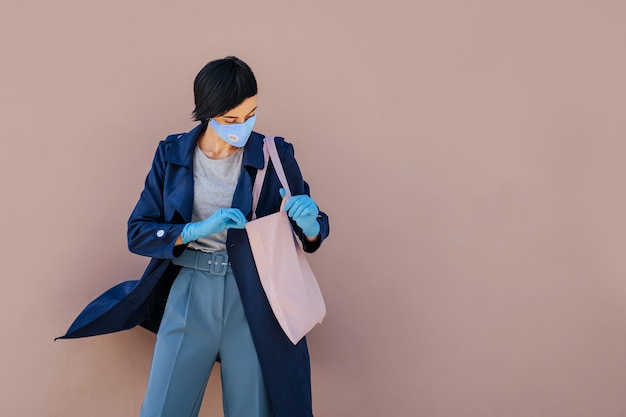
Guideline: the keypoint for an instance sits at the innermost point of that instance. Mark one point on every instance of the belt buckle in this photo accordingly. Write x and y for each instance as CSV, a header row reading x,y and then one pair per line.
x,y
219,263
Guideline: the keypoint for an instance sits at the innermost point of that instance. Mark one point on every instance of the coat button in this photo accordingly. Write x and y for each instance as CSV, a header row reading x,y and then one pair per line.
x,y
160,233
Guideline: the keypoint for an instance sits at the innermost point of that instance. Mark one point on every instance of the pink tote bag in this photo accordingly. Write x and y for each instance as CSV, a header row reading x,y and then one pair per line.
x,y
286,277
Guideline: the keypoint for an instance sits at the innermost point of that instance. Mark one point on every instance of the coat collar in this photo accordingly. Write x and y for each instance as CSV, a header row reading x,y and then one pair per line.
x,y
182,146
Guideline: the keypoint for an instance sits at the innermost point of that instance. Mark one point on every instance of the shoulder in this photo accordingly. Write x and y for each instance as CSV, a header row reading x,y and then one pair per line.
x,y
284,148
178,147
174,137
281,142
171,140
165,144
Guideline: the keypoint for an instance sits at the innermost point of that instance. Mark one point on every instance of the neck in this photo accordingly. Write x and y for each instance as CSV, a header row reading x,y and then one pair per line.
x,y
213,146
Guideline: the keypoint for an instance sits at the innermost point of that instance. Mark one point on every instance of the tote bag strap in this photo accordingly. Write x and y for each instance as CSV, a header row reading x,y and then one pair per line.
x,y
260,177
269,153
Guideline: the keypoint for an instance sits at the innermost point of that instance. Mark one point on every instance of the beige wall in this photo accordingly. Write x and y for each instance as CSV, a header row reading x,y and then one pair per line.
x,y
470,155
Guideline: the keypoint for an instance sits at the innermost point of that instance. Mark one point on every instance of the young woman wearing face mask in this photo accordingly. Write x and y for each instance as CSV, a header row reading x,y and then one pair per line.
x,y
201,292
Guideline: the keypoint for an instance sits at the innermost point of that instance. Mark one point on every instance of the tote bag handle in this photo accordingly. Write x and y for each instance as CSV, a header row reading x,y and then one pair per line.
x,y
270,152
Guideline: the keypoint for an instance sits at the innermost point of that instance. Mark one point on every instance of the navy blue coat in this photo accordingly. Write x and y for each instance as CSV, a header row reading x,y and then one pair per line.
x,y
163,209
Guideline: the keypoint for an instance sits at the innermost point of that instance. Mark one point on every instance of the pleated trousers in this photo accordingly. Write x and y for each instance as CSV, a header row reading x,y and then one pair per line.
x,y
204,321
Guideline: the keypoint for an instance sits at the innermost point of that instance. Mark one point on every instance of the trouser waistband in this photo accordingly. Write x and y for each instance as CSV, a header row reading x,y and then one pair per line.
x,y
215,263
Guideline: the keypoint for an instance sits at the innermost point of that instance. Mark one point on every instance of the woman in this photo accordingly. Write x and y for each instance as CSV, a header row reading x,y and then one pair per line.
x,y
190,220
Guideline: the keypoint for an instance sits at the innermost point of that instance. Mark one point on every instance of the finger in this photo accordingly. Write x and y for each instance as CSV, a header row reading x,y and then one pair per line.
x,y
219,213
309,204
282,192
309,210
312,208
241,220
299,211
289,203
236,224
232,216
302,204
236,213
292,204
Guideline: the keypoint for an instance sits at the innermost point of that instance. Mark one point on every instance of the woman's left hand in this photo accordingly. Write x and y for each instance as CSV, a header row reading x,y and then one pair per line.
x,y
303,210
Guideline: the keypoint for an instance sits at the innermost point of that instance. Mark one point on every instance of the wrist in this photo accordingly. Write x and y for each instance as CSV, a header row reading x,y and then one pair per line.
x,y
312,231
188,234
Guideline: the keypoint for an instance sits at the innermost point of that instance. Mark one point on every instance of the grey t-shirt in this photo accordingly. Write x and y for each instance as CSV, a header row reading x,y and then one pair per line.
x,y
214,182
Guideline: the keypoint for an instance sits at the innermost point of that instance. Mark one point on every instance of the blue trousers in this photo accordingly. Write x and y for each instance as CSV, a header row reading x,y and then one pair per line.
x,y
203,321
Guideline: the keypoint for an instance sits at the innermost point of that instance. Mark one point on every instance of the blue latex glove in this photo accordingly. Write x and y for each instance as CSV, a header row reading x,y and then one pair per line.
x,y
222,219
303,210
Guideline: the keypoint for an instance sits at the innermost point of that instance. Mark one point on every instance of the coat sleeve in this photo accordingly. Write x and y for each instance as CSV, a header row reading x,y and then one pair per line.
x,y
149,234
298,187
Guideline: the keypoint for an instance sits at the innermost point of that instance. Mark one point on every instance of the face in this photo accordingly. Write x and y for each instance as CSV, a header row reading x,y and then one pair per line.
x,y
239,114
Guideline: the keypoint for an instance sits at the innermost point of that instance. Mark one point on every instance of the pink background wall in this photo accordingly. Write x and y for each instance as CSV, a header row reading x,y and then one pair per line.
x,y
470,155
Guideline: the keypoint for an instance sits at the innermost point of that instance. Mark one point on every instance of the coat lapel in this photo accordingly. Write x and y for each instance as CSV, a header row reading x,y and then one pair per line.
x,y
252,161
178,183
181,196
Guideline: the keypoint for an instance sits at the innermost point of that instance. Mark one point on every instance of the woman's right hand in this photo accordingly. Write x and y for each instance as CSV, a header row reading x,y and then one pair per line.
x,y
222,219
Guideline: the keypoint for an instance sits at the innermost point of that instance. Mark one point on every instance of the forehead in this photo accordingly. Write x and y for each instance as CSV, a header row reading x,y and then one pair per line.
x,y
244,108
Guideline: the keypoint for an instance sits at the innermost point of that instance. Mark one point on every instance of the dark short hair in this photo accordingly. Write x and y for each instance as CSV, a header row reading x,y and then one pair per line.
x,y
220,86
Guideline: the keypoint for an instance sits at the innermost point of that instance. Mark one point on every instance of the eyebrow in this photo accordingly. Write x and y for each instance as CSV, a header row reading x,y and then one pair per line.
x,y
234,117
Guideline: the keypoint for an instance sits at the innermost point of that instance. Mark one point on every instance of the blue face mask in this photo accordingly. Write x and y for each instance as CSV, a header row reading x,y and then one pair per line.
x,y
236,134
